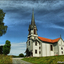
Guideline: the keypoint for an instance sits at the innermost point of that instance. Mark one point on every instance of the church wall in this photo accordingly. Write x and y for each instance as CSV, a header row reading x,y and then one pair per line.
x,y
52,52
43,49
48,50
60,46
30,47
32,32
35,48
56,50
40,45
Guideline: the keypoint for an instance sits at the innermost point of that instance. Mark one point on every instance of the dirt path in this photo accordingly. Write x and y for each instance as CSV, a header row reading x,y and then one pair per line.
x,y
19,61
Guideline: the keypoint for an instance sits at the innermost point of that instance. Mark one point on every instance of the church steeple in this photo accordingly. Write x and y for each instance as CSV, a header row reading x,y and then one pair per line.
x,y
33,20
32,28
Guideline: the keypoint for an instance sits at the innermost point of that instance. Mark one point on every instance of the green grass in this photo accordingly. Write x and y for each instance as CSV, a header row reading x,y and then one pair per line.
x,y
5,59
45,60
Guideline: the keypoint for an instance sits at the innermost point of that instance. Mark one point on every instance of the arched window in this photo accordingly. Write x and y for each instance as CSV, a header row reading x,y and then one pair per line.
x,y
29,42
34,31
28,38
62,52
51,47
36,43
35,51
61,48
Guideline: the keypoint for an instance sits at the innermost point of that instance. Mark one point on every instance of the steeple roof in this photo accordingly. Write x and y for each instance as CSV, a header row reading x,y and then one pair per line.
x,y
33,20
32,25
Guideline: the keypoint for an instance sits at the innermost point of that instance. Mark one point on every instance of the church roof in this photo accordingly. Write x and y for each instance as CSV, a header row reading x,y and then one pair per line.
x,y
32,25
49,40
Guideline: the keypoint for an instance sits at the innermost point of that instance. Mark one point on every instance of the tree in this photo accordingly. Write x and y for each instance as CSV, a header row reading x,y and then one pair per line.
x,y
2,27
21,55
6,47
1,49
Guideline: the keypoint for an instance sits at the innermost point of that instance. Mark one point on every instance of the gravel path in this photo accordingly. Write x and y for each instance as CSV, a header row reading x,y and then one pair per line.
x,y
19,61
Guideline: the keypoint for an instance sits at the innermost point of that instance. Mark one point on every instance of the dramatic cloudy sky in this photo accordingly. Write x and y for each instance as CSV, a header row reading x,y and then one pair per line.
x,y
49,19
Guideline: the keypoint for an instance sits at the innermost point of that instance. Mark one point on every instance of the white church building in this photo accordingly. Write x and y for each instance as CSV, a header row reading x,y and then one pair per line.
x,y
37,46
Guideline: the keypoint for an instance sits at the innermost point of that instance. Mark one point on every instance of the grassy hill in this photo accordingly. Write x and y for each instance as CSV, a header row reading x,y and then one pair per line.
x,y
5,59
45,60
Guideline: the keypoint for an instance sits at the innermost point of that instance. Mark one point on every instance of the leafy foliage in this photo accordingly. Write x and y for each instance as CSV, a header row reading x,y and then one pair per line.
x,y
21,55
1,49
6,47
2,27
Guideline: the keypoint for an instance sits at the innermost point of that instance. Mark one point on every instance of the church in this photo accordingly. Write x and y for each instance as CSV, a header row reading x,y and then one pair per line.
x,y
37,46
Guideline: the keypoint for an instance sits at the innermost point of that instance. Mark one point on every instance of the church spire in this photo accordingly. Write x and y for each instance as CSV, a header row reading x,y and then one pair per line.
x,y
33,20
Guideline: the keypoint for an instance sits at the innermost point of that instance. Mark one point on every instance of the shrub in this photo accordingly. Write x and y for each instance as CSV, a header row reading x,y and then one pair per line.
x,y
21,55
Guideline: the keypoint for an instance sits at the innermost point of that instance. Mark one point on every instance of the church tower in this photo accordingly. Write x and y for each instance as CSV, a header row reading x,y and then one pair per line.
x,y
32,28
32,37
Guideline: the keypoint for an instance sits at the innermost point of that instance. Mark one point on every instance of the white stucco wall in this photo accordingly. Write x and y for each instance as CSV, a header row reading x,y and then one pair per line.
x,y
61,44
48,50
35,48
44,49
56,50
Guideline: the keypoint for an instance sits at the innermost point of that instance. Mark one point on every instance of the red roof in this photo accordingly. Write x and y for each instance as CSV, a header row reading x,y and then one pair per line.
x,y
48,40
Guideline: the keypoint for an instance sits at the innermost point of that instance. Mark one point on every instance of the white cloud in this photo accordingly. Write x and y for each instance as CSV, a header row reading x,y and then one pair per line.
x,y
17,48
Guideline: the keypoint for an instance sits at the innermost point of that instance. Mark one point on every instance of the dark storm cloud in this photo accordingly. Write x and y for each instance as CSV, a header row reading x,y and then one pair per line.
x,y
37,0
17,32
47,12
28,3
59,24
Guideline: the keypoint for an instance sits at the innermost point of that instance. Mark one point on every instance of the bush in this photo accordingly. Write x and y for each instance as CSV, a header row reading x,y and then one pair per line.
x,y
21,55
6,47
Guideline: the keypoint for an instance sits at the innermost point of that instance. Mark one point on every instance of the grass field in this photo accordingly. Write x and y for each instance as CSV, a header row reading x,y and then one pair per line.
x,y
45,60
5,59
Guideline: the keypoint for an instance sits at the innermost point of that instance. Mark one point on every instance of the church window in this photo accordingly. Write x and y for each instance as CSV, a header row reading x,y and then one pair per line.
x,y
39,47
61,48
34,31
35,51
62,52
28,38
39,52
51,47
36,43
29,42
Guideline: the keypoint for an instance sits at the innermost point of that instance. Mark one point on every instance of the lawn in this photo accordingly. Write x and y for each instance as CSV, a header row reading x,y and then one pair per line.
x,y
5,59
45,60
